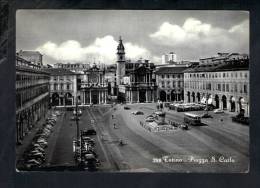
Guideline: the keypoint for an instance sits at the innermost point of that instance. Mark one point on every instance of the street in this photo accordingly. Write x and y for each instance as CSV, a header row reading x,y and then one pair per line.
x,y
219,146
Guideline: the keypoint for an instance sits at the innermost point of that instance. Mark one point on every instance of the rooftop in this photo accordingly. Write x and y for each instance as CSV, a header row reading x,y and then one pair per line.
x,y
28,52
230,65
59,71
170,70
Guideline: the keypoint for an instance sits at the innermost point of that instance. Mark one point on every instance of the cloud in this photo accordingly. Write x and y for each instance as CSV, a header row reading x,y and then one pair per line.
x,y
202,39
102,49
67,51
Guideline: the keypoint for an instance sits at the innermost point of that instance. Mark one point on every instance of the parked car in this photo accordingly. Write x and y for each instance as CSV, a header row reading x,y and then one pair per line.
x,y
57,113
218,111
89,132
206,115
127,108
32,163
37,150
184,126
87,139
74,118
138,113
149,119
241,119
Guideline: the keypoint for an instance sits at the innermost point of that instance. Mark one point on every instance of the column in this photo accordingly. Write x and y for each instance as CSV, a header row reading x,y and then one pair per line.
x,y
220,104
131,96
84,97
138,96
105,96
101,95
228,105
59,101
146,95
90,98
98,97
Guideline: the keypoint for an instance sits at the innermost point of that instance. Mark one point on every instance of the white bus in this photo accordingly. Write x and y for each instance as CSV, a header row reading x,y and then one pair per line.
x,y
192,119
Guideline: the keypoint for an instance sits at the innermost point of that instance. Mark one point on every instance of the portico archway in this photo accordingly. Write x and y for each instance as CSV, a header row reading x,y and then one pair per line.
x,y
232,104
193,97
55,99
142,95
217,101
162,96
224,102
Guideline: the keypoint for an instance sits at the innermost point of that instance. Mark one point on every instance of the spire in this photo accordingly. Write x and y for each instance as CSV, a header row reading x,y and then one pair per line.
x,y
120,47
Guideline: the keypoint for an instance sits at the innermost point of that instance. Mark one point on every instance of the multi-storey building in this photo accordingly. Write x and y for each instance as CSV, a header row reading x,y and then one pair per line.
x,y
139,82
32,96
77,67
170,58
224,85
110,78
63,86
170,82
222,57
32,56
135,81
93,86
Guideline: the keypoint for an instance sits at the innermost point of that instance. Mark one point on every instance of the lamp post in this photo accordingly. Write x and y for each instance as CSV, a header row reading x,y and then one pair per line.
x,y
207,98
77,120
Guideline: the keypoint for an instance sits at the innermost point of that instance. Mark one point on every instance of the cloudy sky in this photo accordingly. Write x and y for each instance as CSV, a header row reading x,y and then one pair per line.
x,y
88,35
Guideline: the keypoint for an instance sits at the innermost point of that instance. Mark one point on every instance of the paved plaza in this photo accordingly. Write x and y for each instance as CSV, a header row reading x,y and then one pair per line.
x,y
219,146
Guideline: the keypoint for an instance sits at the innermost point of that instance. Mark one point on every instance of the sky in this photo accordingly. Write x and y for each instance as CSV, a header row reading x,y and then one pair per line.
x,y
92,35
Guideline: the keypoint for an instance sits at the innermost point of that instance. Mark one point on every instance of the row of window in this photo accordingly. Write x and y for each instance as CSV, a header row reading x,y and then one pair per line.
x,y
224,87
172,84
21,77
29,94
61,78
171,76
217,75
61,86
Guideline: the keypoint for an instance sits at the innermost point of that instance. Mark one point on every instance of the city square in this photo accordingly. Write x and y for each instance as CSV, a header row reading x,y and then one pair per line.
x,y
117,108
143,148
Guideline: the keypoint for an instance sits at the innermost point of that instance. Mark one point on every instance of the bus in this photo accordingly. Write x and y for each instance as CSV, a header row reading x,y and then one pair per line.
x,y
192,119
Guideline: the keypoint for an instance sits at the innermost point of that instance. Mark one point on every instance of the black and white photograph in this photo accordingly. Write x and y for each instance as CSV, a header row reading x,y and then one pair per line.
x,y
132,91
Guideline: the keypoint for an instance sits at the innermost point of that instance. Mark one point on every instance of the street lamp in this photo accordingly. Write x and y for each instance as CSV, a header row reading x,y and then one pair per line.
x,y
207,98
77,120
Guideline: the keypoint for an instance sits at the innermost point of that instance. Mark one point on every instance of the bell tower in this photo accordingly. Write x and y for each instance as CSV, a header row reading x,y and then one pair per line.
x,y
120,72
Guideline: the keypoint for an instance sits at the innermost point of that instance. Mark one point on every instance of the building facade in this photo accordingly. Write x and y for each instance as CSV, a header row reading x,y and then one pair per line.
x,y
139,83
32,96
170,82
135,80
63,86
110,78
222,57
93,86
224,85
170,58
32,56
77,67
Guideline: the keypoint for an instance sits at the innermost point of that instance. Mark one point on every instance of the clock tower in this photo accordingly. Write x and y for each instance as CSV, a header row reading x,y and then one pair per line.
x,y
120,72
